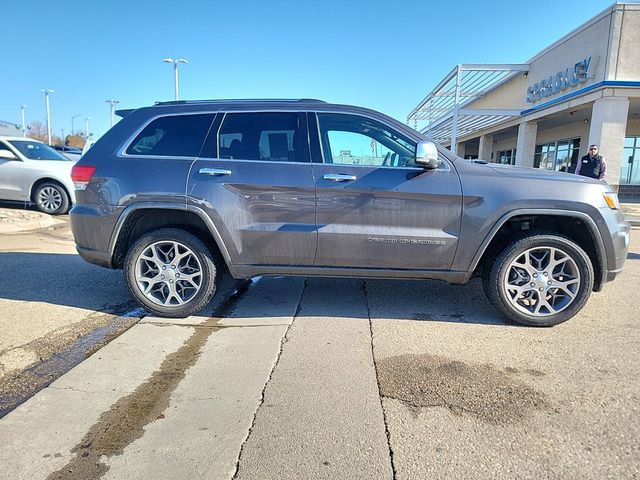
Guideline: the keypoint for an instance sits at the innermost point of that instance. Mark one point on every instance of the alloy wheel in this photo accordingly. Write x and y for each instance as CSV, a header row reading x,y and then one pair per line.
x,y
168,273
542,281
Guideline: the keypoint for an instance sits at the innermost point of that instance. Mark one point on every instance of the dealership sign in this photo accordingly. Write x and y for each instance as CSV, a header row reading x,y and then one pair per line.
x,y
559,82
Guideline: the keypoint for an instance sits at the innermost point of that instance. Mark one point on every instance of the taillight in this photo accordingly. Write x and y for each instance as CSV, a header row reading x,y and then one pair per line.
x,y
81,175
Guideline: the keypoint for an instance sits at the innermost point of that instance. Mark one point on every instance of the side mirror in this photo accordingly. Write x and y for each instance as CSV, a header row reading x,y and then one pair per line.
x,y
427,155
7,155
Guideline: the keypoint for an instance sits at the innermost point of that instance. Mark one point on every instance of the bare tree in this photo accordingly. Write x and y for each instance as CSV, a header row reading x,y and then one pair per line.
x,y
75,141
38,131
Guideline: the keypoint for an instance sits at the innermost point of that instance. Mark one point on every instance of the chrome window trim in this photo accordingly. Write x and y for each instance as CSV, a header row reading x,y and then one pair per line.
x,y
445,161
122,153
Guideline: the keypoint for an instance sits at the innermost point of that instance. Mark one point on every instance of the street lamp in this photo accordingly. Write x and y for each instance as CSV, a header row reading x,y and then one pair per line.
x,y
175,62
24,126
46,92
86,127
72,119
113,104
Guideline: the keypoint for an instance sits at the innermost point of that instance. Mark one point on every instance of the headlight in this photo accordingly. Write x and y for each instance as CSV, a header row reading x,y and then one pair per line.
x,y
612,200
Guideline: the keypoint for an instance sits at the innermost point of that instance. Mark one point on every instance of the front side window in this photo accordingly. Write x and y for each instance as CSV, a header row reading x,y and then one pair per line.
x,y
265,136
172,136
355,140
37,151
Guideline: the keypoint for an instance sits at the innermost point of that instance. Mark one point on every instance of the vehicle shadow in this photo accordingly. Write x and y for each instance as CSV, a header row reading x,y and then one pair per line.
x,y
633,256
17,205
60,279
395,300
66,280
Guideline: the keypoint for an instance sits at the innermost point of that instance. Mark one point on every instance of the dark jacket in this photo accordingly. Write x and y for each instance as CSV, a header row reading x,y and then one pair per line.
x,y
593,167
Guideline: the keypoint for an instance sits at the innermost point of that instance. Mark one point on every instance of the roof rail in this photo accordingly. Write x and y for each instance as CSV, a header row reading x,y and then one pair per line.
x,y
239,100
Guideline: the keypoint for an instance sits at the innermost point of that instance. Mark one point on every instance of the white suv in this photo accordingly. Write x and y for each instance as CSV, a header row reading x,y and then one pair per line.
x,y
33,171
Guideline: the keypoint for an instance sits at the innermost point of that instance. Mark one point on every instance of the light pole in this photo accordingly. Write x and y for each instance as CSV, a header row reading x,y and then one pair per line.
x,y
24,126
113,104
86,127
175,62
46,92
72,119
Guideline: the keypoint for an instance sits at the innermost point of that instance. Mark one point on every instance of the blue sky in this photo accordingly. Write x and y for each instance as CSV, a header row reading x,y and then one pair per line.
x,y
385,55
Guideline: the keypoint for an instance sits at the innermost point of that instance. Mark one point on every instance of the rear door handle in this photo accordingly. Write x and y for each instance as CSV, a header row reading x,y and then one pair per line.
x,y
339,177
214,171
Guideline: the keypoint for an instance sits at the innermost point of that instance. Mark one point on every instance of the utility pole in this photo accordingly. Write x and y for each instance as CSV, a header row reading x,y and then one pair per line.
x,y
24,125
113,104
46,92
86,127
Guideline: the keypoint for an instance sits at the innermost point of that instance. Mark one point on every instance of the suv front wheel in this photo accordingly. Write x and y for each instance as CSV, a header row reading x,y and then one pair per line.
x,y
542,279
171,272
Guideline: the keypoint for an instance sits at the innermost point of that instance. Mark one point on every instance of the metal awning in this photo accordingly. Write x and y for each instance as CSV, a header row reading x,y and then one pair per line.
x,y
443,109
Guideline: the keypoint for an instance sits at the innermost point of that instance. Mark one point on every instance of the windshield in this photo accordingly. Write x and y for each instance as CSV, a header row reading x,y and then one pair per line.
x,y
37,150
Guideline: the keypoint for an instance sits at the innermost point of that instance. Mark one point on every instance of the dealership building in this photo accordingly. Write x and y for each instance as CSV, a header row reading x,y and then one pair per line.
x,y
583,89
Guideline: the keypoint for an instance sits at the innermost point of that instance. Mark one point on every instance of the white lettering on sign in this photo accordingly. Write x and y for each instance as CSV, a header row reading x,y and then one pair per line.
x,y
559,82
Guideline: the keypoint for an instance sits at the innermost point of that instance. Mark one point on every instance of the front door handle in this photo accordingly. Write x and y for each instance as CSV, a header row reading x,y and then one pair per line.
x,y
339,177
214,171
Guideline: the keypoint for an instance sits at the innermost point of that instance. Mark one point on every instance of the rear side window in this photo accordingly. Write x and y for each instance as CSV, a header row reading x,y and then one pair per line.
x,y
269,136
173,136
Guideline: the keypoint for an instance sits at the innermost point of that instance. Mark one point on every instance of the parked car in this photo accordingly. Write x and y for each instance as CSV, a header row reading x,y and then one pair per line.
x,y
178,192
72,153
34,172
88,144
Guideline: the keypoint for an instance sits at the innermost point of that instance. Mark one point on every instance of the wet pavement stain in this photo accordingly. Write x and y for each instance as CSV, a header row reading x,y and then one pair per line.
x,y
484,392
124,422
100,329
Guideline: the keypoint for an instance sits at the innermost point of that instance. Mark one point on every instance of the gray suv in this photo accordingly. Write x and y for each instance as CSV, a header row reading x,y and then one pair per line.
x,y
180,191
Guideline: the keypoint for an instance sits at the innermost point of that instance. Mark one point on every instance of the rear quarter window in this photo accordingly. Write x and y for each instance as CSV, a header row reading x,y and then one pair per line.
x,y
172,136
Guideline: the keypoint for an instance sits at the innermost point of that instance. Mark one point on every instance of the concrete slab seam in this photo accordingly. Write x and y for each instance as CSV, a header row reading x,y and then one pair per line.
x,y
284,340
375,367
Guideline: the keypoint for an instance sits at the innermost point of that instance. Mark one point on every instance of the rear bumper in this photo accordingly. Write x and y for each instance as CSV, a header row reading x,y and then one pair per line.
x,y
92,228
96,257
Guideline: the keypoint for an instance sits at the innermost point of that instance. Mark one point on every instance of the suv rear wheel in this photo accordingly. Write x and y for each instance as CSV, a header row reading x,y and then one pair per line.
x,y
542,279
171,272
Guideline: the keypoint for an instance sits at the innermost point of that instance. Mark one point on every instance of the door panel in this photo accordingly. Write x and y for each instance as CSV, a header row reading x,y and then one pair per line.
x,y
12,180
263,207
387,218
375,216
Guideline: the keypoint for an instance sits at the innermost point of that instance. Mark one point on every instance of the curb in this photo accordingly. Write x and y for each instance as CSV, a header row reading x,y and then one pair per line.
x,y
12,223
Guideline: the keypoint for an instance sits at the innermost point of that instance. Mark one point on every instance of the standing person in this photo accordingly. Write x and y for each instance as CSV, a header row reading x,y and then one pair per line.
x,y
592,165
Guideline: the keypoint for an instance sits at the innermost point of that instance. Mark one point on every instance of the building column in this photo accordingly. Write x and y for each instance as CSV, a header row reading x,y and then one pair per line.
x,y
460,151
486,148
608,129
526,146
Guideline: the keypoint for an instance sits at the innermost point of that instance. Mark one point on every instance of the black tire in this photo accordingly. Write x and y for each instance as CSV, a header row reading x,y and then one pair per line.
x,y
51,198
209,266
494,280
